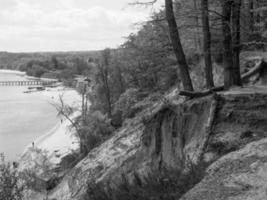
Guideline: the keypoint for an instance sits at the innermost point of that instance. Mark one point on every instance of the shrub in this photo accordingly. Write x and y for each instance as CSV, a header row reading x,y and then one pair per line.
x,y
95,129
125,106
10,187
69,161
39,169
126,101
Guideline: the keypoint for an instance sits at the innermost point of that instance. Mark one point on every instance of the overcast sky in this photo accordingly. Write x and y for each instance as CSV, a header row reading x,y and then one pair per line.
x,y
66,25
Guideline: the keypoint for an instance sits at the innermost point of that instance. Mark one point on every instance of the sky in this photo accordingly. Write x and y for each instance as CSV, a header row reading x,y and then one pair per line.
x,y
67,25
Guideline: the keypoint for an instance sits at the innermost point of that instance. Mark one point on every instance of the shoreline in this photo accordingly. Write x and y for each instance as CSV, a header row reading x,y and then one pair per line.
x,y
59,140
21,73
43,137
10,71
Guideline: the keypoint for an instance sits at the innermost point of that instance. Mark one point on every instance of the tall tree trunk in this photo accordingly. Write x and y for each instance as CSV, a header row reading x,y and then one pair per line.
x,y
227,40
105,77
83,104
251,14
236,41
177,46
120,79
197,33
107,91
207,43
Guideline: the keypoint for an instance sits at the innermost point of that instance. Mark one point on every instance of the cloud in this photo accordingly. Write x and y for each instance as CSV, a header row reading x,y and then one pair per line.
x,y
55,25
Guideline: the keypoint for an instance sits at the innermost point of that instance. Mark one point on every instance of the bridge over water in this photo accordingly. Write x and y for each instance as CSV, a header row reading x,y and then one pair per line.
x,y
27,83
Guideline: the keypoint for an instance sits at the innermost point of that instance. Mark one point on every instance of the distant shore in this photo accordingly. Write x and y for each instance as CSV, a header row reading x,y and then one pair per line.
x,y
12,71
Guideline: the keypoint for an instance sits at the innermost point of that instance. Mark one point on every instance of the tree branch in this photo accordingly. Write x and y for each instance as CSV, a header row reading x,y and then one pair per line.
x,y
147,3
202,93
254,70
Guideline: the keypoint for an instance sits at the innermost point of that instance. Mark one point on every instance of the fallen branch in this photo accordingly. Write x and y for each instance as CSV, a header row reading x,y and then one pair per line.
x,y
254,70
201,94
244,76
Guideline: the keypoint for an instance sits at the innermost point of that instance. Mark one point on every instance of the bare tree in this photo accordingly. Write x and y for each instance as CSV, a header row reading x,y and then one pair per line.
x,y
207,43
66,111
177,46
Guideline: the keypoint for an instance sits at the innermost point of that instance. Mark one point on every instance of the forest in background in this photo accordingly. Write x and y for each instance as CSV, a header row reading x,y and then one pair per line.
x,y
14,61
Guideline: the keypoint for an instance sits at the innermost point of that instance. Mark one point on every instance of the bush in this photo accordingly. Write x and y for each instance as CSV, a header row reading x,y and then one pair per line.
x,y
10,188
39,169
124,107
69,161
95,129
126,101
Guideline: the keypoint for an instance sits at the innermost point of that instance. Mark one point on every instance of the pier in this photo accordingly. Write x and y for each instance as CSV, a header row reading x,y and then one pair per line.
x,y
27,83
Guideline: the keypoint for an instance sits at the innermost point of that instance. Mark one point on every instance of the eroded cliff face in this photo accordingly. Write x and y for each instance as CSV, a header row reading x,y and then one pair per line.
x,y
238,146
166,137
240,175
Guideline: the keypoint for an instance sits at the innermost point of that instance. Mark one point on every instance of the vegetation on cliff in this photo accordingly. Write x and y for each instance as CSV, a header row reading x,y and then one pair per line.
x,y
211,37
125,106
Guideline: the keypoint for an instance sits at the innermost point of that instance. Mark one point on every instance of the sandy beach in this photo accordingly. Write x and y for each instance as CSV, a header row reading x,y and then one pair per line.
x,y
60,140
32,119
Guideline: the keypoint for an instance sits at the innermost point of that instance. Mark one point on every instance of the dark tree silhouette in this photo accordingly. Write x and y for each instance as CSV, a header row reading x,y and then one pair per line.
x,y
207,43
177,46
236,41
227,44
104,74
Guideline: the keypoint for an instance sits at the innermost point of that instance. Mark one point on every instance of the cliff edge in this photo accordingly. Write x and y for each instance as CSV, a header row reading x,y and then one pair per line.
x,y
223,134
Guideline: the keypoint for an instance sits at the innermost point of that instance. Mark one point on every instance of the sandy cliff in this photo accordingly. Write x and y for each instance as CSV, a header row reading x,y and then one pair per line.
x,y
225,131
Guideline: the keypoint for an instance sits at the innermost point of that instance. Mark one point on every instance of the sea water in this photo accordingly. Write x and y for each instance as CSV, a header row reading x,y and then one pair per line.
x,y
23,116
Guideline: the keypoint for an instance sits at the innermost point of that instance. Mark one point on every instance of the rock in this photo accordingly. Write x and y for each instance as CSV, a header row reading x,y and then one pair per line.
x,y
240,175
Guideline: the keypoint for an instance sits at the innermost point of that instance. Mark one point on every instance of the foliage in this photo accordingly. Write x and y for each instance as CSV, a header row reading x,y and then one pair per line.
x,y
69,161
64,70
10,185
126,101
37,171
17,60
35,68
91,127
94,130
146,58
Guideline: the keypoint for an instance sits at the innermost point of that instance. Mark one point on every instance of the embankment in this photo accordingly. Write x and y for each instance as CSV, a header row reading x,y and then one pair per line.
x,y
168,136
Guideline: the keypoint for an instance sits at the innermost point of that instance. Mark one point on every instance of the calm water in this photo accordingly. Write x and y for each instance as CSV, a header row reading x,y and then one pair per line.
x,y
23,117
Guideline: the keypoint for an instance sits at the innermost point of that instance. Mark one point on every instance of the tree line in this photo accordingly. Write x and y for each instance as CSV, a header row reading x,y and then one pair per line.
x,y
189,44
198,37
